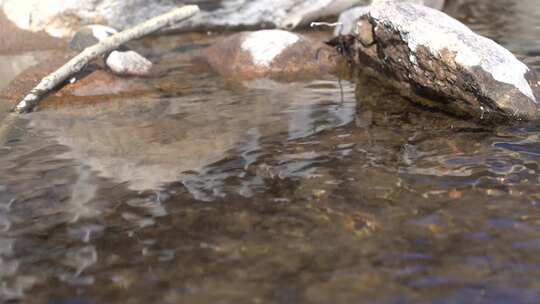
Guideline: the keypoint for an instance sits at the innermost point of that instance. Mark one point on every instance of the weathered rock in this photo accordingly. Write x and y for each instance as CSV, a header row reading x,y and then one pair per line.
x,y
439,59
89,35
349,17
312,10
13,40
128,63
61,18
270,53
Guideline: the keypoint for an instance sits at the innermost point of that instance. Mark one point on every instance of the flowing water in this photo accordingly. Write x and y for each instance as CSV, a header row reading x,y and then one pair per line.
x,y
206,190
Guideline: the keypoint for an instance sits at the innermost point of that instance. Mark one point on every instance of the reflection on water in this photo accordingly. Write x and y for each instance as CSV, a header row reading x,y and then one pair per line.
x,y
306,192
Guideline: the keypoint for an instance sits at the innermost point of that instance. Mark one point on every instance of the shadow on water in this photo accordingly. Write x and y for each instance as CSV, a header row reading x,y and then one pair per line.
x,y
210,191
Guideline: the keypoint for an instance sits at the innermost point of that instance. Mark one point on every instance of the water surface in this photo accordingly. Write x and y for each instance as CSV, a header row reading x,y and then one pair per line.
x,y
207,190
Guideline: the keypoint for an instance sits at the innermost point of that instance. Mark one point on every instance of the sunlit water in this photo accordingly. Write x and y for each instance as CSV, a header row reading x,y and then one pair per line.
x,y
205,190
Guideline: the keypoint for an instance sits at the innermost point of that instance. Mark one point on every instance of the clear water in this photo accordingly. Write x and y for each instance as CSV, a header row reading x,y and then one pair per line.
x,y
206,190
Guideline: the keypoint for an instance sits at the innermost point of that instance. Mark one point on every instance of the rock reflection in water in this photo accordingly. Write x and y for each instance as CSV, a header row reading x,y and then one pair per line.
x,y
148,144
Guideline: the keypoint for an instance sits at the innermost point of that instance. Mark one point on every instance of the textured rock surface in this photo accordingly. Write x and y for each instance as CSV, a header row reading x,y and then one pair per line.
x,y
349,17
437,57
128,63
89,35
61,18
271,53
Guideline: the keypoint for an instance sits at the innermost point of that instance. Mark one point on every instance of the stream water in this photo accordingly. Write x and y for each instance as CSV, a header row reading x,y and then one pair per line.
x,y
204,190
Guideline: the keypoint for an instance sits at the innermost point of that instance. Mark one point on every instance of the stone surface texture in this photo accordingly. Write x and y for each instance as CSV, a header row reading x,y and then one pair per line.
x,y
269,53
61,18
89,35
128,63
440,59
349,17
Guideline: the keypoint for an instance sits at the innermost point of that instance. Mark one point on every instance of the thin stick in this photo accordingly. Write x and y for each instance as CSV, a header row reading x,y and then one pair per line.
x,y
108,44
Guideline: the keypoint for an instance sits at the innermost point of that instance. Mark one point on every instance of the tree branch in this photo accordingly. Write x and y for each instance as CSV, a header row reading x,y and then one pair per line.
x,y
108,44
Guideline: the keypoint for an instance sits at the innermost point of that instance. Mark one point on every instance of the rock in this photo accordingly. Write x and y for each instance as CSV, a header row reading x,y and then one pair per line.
x,y
90,88
100,83
349,17
13,40
61,18
271,53
348,20
122,61
308,11
28,78
442,63
89,35
128,63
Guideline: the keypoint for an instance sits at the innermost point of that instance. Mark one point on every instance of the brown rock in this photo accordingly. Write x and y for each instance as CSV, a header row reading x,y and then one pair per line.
x,y
92,85
271,53
24,82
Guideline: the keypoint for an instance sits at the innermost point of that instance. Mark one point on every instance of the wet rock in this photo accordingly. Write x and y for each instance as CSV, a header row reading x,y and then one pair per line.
x,y
101,83
89,86
128,63
271,53
442,63
28,78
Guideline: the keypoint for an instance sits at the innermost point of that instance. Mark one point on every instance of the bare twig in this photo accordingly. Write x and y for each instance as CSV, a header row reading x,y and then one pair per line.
x,y
337,25
106,45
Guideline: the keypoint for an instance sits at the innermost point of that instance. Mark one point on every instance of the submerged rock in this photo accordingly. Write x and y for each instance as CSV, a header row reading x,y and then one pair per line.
x,y
442,63
270,53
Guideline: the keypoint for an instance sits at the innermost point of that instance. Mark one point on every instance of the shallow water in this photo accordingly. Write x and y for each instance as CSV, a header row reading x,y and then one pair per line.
x,y
205,190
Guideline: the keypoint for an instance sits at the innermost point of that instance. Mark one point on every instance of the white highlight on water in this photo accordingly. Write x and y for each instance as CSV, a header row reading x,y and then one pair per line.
x,y
265,45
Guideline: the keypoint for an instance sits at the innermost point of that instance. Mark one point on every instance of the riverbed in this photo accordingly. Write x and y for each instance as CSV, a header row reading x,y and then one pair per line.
x,y
204,189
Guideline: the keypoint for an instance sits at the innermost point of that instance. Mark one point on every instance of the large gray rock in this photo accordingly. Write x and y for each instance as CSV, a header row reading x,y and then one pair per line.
x,y
61,18
442,63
